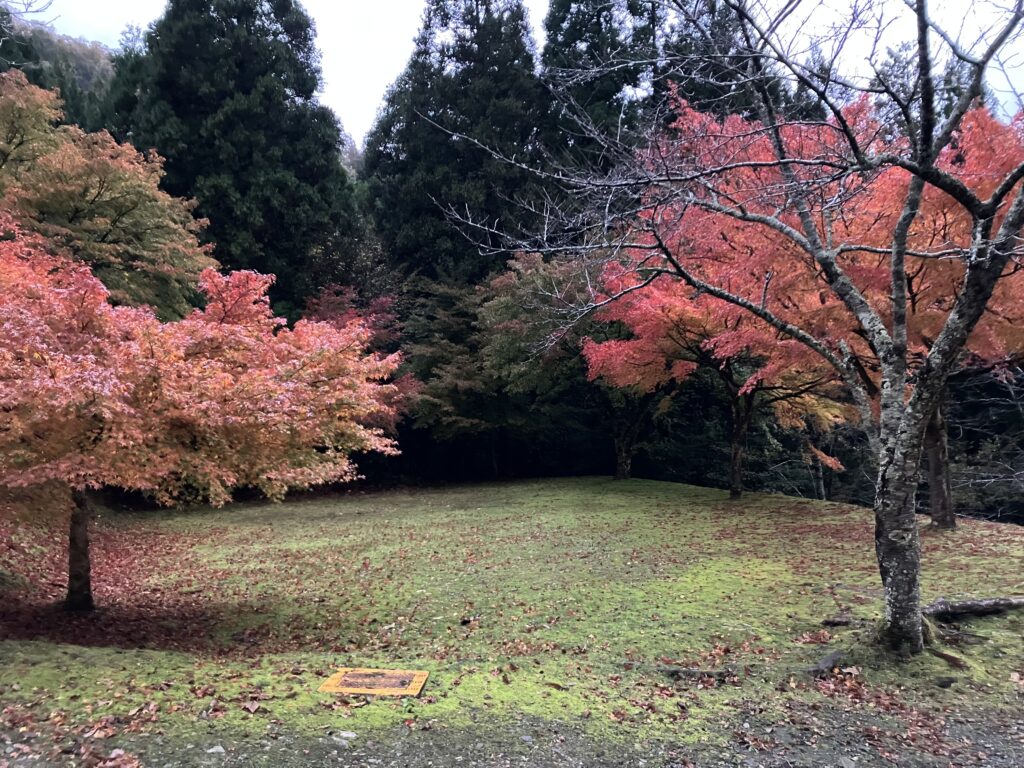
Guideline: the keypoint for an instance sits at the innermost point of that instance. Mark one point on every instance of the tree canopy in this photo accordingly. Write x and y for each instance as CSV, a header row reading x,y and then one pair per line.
x,y
226,91
99,200
470,87
96,395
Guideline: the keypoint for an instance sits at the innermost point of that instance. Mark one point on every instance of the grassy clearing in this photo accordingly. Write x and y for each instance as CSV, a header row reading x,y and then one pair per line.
x,y
560,600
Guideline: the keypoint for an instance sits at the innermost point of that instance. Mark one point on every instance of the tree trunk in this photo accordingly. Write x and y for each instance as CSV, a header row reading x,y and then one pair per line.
x,y
818,473
736,469
623,458
742,412
627,428
898,548
79,596
495,466
940,490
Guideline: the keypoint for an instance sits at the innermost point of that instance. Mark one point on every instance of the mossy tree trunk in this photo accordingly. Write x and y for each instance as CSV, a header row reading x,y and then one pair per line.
x,y
623,459
818,475
626,436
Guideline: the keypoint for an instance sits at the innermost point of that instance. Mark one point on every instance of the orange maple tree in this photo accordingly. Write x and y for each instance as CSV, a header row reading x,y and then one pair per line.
x,y
675,328
98,199
673,332
98,395
893,270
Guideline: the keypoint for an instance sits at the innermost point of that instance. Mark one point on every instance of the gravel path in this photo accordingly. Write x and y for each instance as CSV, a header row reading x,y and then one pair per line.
x,y
826,737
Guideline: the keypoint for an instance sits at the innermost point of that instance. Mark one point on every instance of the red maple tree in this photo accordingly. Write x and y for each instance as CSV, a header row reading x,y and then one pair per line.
x,y
96,395
673,332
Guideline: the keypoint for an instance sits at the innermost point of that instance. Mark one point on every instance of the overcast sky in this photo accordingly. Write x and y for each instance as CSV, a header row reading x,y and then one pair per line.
x,y
365,43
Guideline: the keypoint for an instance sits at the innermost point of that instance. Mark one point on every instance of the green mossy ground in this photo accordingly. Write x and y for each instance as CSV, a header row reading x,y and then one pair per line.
x,y
558,600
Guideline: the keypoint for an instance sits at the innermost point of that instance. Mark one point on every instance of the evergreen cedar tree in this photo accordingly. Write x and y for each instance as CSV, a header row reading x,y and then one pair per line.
x,y
225,90
472,72
99,200
98,395
589,45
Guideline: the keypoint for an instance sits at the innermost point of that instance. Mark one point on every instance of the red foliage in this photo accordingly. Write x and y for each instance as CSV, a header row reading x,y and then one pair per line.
x,y
99,395
674,329
340,305
856,212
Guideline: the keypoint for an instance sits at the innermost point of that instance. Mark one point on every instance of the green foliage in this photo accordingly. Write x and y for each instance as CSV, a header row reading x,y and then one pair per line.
x,y
226,91
597,56
471,75
443,347
496,406
79,70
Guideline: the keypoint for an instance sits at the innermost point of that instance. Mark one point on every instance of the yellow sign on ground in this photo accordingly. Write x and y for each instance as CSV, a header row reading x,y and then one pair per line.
x,y
375,682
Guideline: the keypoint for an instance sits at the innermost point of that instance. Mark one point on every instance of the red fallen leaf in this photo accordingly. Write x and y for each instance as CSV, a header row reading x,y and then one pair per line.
x,y
251,707
100,732
646,706
820,637
617,715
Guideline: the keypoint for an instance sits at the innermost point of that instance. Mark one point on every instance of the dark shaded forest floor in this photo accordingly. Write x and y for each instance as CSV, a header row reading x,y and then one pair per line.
x,y
550,615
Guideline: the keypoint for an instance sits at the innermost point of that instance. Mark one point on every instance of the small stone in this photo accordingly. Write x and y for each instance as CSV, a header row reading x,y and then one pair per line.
x,y
346,734
218,750
527,739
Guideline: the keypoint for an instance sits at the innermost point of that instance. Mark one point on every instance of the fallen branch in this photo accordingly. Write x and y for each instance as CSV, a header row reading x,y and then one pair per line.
x,y
946,610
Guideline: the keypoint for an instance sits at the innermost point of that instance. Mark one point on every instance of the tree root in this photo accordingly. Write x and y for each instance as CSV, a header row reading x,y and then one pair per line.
x,y
949,658
946,610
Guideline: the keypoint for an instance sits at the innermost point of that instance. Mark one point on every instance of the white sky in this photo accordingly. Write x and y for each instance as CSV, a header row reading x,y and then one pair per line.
x,y
365,43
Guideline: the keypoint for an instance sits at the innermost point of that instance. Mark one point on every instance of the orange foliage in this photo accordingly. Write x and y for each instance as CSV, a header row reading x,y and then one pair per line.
x,y
100,395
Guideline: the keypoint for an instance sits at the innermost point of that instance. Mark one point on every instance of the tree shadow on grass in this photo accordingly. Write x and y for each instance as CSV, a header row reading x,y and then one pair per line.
x,y
183,625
